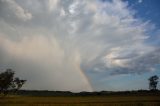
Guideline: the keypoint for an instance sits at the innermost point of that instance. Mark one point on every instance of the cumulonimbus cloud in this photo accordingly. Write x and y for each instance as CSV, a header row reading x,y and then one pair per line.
x,y
58,42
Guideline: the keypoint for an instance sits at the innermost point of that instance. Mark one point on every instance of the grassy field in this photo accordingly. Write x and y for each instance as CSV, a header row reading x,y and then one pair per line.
x,y
81,101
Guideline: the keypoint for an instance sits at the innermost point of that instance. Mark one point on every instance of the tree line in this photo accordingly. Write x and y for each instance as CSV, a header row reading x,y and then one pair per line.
x,y
10,83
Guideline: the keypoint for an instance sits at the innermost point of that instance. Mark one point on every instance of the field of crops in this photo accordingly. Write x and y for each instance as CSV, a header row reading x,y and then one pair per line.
x,y
81,101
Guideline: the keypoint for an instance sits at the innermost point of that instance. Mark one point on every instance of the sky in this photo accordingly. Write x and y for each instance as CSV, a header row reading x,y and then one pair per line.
x,y
81,45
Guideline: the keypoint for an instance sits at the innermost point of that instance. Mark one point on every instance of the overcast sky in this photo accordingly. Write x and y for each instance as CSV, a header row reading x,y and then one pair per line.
x,y
81,45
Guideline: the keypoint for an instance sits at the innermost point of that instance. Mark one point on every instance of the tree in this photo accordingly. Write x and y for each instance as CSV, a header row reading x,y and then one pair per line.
x,y
18,83
153,81
8,82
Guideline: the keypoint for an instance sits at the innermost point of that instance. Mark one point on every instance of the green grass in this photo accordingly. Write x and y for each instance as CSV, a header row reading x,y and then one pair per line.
x,y
81,101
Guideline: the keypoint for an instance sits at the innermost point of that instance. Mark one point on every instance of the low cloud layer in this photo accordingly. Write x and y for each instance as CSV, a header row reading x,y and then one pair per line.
x,y
56,44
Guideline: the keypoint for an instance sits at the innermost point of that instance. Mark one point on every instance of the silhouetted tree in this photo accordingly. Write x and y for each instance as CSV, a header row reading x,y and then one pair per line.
x,y
8,82
153,81
18,83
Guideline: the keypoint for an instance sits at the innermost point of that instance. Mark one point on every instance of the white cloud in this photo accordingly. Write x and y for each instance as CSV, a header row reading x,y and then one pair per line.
x,y
140,1
73,7
52,4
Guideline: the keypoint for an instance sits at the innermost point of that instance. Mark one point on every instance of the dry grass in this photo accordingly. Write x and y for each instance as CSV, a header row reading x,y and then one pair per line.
x,y
81,101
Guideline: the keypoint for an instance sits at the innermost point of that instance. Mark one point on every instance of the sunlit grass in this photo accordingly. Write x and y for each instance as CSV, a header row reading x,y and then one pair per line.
x,y
81,101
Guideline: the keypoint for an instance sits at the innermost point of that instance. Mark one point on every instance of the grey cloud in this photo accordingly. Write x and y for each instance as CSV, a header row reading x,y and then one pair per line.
x,y
137,65
15,9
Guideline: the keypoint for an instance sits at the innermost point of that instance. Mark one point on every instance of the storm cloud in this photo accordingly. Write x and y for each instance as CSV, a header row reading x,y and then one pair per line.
x,y
55,44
